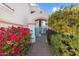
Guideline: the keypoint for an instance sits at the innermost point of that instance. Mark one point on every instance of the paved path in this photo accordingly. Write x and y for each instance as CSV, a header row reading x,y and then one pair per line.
x,y
40,48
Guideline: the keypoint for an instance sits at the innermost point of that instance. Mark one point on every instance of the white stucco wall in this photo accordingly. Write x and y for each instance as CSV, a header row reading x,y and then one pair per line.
x,y
18,16
21,15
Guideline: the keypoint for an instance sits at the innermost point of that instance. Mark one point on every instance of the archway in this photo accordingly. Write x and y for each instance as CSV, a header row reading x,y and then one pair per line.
x,y
40,30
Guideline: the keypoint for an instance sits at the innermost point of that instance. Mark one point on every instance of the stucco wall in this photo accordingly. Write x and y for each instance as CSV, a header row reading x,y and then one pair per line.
x,y
21,15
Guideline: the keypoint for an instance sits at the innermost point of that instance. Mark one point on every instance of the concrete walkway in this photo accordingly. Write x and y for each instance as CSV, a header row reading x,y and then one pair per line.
x,y
40,48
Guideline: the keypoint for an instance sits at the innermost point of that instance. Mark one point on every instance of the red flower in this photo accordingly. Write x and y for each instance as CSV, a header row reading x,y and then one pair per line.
x,y
19,34
4,40
2,28
14,37
1,54
27,29
24,33
21,40
16,50
0,47
1,36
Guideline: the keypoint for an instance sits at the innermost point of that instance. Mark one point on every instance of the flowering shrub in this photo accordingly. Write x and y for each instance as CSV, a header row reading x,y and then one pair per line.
x,y
14,41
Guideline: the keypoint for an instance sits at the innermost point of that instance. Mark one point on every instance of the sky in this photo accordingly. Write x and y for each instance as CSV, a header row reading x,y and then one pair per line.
x,y
52,7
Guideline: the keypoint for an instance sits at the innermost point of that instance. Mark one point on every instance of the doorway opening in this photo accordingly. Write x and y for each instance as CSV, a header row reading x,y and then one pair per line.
x,y
40,30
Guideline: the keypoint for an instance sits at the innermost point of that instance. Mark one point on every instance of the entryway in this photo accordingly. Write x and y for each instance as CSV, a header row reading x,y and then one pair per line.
x,y
40,30
40,48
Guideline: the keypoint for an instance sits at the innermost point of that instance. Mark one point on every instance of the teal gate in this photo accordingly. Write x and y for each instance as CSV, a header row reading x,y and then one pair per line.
x,y
43,31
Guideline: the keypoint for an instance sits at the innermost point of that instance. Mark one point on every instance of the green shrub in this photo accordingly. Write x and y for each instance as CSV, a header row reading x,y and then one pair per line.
x,y
66,23
64,46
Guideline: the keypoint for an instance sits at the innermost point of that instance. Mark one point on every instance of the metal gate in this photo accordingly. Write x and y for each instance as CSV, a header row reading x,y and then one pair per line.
x,y
40,30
